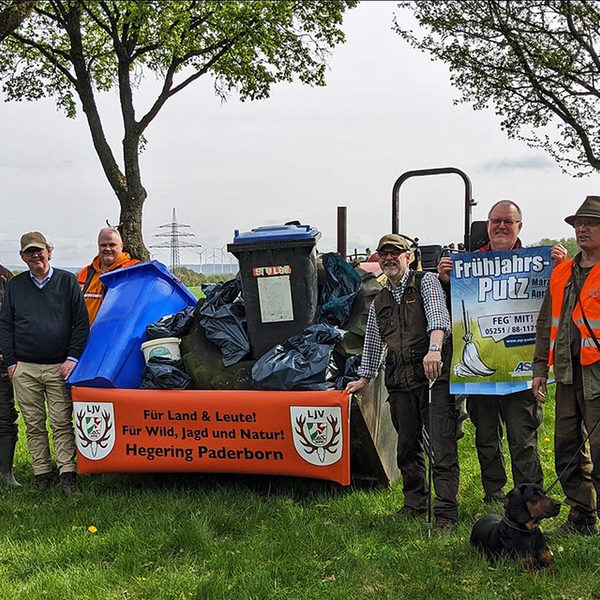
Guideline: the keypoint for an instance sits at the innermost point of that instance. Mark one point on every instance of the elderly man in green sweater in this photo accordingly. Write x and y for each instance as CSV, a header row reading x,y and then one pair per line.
x,y
43,330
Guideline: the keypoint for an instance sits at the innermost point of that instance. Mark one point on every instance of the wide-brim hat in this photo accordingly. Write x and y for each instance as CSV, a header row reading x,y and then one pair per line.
x,y
393,239
589,208
33,239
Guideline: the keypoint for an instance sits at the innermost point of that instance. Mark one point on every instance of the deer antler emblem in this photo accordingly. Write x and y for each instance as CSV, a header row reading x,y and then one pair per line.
x,y
314,435
94,432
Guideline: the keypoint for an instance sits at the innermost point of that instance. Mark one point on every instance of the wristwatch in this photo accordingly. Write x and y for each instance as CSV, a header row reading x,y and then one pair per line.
x,y
434,348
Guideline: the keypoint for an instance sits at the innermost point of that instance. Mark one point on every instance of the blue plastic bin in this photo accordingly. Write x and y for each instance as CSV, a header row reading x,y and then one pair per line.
x,y
136,296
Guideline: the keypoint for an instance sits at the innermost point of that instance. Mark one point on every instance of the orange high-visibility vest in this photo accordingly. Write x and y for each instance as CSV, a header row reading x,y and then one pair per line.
x,y
91,286
589,298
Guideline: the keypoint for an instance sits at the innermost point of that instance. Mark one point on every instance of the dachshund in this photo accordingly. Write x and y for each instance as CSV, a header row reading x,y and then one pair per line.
x,y
517,534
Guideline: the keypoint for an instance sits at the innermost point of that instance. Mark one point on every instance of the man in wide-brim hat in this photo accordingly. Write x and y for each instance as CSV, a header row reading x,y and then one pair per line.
x,y
568,338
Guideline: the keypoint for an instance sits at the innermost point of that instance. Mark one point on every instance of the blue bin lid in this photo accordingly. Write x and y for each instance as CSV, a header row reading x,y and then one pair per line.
x,y
146,271
276,233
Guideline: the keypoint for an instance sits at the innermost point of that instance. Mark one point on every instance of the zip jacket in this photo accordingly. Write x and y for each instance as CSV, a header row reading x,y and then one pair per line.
x,y
91,286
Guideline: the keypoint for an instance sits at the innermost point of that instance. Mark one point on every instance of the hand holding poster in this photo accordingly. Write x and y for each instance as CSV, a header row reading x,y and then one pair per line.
x,y
496,297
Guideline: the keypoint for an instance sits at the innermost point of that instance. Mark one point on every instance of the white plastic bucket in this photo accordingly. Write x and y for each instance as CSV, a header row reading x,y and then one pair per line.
x,y
163,347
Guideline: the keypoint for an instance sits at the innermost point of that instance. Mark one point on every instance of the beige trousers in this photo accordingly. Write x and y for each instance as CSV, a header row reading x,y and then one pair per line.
x,y
35,386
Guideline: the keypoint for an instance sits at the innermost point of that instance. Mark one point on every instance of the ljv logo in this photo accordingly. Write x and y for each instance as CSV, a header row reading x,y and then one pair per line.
x,y
317,433
94,428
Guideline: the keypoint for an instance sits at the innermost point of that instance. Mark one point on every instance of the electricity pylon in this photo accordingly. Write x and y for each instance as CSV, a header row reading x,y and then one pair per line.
x,y
175,242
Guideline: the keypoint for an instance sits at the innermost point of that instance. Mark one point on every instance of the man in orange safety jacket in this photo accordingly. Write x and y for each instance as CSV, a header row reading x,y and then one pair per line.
x,y
568,338
109,258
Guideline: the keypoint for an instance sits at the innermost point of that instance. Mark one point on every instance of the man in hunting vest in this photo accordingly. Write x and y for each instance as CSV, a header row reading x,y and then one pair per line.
x,y
409,323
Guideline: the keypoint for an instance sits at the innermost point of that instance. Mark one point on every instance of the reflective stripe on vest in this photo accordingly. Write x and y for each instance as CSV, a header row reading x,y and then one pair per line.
x,y
590,299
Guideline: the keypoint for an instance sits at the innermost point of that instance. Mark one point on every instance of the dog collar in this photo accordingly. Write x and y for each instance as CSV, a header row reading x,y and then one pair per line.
x,y
513,525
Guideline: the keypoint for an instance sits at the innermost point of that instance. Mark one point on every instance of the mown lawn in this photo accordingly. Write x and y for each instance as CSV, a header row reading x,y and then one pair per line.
x,y
209,537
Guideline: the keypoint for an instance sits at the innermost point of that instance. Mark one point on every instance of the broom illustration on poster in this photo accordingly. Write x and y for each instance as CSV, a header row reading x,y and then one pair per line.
x,y
472,365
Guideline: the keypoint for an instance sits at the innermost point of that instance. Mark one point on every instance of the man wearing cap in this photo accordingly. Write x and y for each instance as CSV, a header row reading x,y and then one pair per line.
x,y
410,320
109,258
8,414
43,330
568,338
518,412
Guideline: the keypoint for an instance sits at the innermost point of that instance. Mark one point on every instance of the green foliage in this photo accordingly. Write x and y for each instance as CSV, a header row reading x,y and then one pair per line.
x,y
569,243
245,46
536,63
192,278
190,536
71,50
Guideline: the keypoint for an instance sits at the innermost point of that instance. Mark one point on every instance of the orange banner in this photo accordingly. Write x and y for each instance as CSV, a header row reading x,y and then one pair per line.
x,y
303,434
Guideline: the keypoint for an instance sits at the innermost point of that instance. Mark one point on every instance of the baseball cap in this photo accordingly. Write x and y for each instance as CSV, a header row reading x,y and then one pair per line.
x,y
33,239
393,239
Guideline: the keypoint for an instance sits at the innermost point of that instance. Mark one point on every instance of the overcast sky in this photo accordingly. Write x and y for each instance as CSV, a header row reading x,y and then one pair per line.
x,y
300,154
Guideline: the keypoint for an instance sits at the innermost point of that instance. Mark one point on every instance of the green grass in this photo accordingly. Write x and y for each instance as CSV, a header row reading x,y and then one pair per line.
x,y
246,537
197,291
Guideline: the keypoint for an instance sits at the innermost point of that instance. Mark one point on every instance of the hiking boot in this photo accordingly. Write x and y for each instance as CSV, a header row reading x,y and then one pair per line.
x,y
410,512
497,498
445,525
586,527
42,482
68,483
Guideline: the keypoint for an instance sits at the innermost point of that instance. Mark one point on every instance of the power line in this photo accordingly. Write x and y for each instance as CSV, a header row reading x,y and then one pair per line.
x,y
175,242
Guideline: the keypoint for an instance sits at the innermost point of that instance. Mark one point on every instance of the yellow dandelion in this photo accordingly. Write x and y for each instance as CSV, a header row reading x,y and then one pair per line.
x,y
92,529
546,439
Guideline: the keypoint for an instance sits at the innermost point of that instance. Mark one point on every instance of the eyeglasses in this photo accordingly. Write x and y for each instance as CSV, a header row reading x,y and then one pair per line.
x,y
392,253
507,222
32,251
586,223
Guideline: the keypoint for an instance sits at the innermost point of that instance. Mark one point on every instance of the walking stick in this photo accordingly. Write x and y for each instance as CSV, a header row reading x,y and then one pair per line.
x,y
428,444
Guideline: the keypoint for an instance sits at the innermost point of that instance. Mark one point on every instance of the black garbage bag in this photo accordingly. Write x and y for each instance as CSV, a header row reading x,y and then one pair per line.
x,y
203,362
165,374
350,372
342,284
176,325
302,362
224,320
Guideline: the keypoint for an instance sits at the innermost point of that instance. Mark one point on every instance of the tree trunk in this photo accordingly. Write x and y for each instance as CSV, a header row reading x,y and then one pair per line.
x,y
131,217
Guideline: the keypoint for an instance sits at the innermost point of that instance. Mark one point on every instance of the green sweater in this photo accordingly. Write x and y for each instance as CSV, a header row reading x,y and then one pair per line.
x,y
46,325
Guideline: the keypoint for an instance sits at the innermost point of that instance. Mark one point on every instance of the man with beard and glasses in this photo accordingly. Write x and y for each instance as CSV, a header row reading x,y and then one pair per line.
x,y
409,322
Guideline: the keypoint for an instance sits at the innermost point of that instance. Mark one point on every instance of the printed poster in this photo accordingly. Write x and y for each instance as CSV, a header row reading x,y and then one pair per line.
x,y
496,297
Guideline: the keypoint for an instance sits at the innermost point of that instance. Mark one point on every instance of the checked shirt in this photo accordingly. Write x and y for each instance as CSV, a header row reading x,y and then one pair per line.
x,y
436,312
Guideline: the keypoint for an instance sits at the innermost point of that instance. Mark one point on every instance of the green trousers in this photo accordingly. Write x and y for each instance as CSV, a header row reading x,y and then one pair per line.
x,y
579,478
521,415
